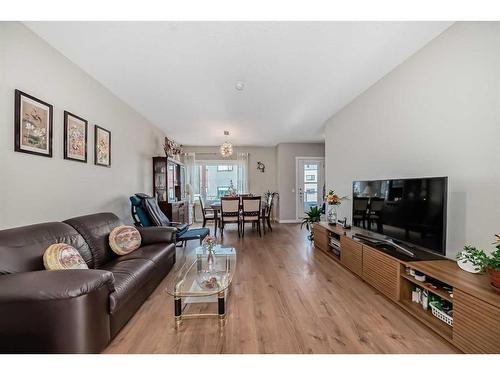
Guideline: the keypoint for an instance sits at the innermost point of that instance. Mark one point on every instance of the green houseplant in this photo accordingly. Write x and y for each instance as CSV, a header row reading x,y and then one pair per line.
x,y
492,264
471,259
312,216
481,261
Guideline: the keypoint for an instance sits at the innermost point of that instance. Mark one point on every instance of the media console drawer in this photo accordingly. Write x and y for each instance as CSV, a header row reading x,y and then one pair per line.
x,y
381,272
351,255
476,324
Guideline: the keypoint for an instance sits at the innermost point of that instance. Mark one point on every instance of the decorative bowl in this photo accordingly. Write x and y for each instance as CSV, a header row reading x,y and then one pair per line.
x,y
208,280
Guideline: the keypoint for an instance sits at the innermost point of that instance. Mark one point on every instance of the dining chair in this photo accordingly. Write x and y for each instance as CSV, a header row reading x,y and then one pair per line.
x,y
208,215
251,212
359,211
375,212
229,212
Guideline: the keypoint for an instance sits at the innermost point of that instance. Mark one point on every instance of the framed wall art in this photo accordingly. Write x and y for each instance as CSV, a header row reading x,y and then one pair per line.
x,y
75,138
32,125
102,146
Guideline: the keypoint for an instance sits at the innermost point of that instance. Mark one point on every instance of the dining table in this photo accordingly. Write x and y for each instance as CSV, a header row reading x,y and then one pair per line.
x,y
216,206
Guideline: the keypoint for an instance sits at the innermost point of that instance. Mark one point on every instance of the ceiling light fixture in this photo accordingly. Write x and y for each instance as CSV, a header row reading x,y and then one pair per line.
x,y
240,85
226,149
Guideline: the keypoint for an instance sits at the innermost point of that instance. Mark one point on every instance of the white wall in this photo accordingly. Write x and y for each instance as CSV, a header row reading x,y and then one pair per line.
x,y
36,189
285,156
437,114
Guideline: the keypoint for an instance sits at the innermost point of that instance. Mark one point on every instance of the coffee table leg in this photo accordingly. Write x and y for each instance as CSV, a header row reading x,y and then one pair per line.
x,y
222,308
178,311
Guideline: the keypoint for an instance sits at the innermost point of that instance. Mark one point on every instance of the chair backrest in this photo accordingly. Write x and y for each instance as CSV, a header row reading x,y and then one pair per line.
x,y
251,207
376,204
360,204
241,196
202,206
229,206
139,214
156,215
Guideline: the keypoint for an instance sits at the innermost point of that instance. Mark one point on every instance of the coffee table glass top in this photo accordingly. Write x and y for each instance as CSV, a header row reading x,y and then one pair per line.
x,y
197,275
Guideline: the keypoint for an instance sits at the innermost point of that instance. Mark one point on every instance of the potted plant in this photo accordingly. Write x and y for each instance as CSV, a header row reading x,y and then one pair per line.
x,y
492,265
480,261
333,200
471,259
312,216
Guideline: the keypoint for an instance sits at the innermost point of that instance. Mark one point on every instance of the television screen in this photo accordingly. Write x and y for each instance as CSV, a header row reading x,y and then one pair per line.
x,y
410,210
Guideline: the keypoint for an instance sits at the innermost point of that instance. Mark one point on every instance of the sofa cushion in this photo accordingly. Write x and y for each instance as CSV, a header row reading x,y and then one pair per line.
x,y
159,254
95,229
61,256
130,275
22,248
124,239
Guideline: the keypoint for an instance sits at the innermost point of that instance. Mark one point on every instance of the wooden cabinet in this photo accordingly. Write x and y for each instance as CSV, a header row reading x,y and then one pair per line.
x,y
169,188
351,255
476,324
381,272
476,307
179,211
320,237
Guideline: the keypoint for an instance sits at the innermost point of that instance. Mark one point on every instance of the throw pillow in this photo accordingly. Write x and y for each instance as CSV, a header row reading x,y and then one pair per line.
x,y
124,239
62,256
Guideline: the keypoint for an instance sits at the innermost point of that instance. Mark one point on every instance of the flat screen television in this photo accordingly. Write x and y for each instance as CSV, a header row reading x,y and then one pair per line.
x,y
412,210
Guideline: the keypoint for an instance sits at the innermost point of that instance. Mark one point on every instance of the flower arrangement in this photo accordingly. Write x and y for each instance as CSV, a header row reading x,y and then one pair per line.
x,y
209,243
334,199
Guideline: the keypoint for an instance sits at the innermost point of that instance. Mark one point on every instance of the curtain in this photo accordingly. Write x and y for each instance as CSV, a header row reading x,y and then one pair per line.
x,y
242,161
191,181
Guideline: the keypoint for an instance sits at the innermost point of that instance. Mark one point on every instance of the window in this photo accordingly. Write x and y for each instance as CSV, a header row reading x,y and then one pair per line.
x,y
222,190
213,178
224,168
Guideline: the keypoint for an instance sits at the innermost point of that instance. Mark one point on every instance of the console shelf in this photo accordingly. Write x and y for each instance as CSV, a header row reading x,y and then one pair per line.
x,y
438,292
426,317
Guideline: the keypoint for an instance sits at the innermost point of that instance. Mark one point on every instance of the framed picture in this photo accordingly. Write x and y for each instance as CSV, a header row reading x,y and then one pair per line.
x,y
32,125
75,137
102,146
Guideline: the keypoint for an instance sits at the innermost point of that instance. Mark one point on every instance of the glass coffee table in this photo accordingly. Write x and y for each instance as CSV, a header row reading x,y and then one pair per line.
x,y
198,278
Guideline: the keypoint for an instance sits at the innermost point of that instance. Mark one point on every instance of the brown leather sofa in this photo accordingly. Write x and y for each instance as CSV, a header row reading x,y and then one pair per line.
x,y
75,311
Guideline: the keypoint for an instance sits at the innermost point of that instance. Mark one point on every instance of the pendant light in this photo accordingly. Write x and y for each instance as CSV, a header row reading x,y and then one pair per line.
x,y
226,149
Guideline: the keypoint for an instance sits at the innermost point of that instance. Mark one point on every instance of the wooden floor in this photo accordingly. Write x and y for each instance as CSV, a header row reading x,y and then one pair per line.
x,y
285,298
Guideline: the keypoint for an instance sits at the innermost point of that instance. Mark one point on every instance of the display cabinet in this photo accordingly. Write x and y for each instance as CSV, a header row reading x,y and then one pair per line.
x,y
169,188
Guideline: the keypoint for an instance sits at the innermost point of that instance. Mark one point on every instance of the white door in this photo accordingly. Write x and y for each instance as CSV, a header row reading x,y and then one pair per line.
x,y
310,182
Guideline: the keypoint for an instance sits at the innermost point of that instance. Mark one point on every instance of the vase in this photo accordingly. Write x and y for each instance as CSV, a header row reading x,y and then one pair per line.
x,y
332,214
494,278
210,258
468,266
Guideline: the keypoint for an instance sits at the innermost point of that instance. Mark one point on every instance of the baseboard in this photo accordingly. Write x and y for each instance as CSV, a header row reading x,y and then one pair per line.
x,y
289,221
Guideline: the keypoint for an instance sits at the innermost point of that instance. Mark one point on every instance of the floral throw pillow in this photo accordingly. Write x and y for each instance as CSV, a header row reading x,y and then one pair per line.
x,y
61,256
124,239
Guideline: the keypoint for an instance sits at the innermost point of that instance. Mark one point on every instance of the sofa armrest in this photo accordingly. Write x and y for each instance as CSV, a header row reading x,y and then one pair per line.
x,y
53,285
55,311
151,235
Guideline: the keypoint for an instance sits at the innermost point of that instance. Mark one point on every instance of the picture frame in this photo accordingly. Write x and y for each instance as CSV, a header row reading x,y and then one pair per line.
x,y
75,137
102,146
32,125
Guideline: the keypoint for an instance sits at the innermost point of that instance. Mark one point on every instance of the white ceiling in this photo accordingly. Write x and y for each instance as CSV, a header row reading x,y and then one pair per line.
x,y
182,75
